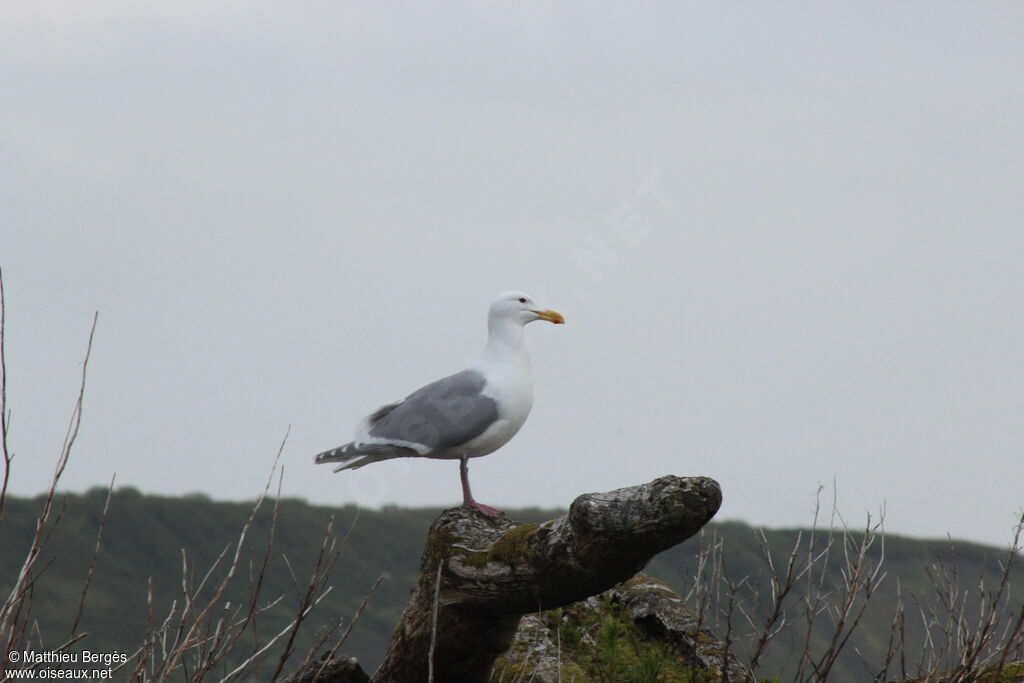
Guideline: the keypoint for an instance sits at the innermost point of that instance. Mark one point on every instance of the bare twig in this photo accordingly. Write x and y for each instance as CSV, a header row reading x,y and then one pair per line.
x,y
433,623
241,667
5,418
15,609
187,638
95,554
325,561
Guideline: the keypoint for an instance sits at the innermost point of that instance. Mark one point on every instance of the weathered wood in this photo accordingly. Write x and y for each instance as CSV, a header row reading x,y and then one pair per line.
x,y
493,571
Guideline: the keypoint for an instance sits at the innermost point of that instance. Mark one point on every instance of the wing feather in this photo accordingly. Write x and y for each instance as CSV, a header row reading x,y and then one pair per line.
x,y
441,415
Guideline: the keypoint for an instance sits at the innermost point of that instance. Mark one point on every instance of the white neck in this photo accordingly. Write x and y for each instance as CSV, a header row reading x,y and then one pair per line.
x,y
505,342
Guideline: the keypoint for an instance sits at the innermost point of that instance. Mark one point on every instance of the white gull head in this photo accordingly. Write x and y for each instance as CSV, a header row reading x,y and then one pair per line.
x,y
519,308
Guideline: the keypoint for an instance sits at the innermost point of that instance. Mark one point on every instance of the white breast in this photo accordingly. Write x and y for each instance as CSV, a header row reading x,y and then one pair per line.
x,y
511,387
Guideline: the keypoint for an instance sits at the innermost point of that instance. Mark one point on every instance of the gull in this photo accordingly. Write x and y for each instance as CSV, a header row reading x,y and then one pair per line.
x,y
466,415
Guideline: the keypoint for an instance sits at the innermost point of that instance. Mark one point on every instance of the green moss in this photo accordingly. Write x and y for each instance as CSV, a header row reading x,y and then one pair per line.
x,y
1010,674
625,653
512,546
703,638
602,645
438,546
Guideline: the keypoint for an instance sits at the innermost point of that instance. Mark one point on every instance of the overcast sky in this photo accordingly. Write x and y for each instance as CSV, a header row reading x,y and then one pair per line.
x,y
786,237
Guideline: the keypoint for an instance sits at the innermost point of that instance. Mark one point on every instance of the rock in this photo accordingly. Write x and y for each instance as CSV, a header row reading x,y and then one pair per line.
x,y
637,631
337,670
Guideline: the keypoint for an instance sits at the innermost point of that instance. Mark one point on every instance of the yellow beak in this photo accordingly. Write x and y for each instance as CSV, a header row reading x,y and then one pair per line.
x,y
551,316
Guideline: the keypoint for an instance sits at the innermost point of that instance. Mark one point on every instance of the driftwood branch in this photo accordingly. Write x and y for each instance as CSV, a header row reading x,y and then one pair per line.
x,y
493,571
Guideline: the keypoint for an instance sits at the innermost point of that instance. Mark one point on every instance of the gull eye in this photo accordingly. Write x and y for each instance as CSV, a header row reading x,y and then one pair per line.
x,y
522,300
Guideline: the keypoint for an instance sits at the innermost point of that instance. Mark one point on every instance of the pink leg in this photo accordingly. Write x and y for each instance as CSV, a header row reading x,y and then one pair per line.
x,y
467,495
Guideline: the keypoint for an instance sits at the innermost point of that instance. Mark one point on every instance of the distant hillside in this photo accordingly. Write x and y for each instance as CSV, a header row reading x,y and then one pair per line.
x,y
145,535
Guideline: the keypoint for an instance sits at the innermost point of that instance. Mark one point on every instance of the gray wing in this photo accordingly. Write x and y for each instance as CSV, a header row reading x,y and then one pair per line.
x,y
443,414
